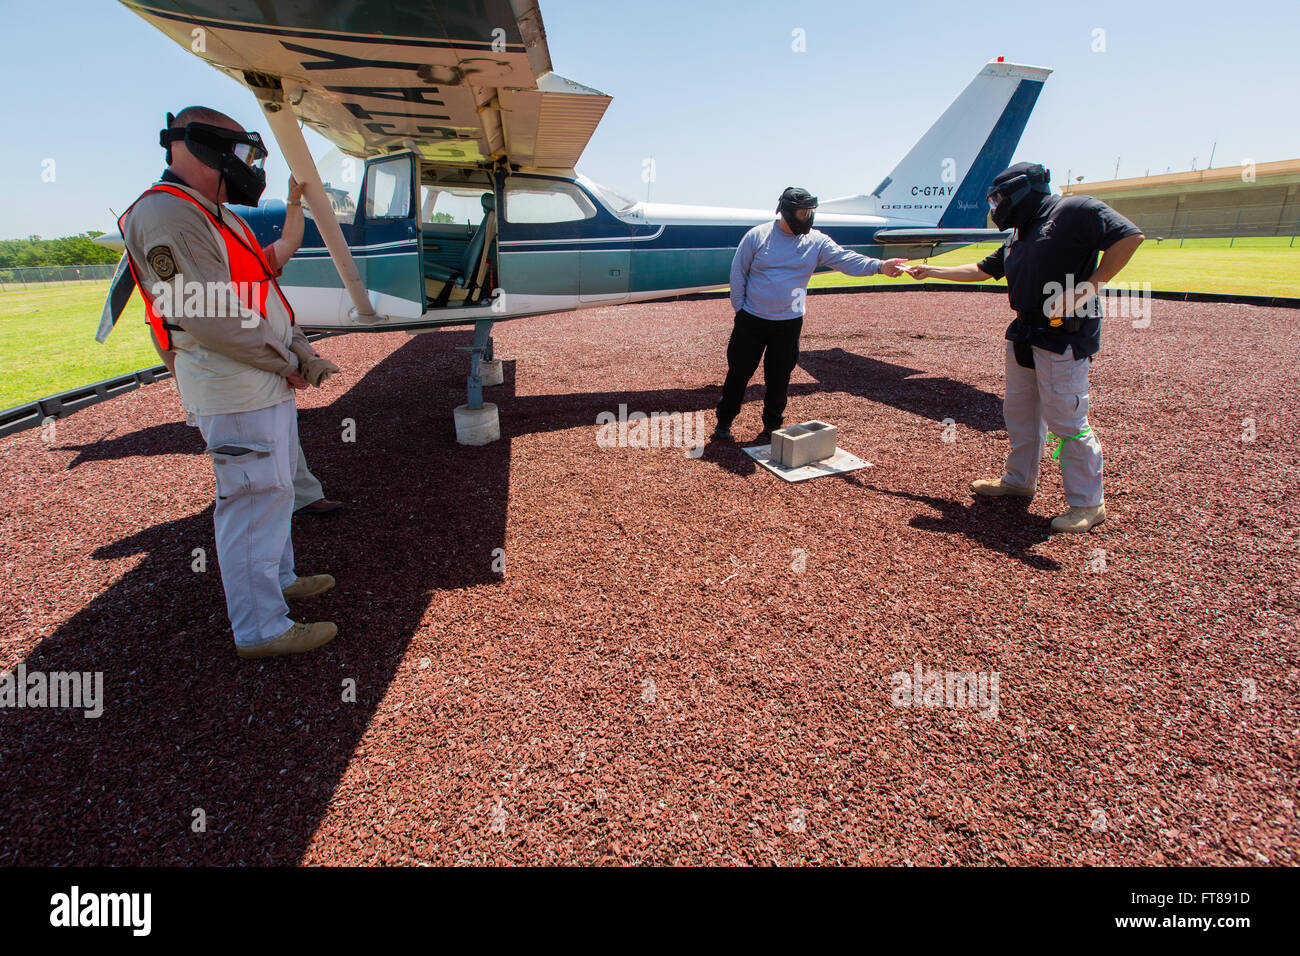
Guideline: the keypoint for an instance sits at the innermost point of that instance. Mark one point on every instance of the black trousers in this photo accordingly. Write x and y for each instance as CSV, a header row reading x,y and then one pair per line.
x,y
750,338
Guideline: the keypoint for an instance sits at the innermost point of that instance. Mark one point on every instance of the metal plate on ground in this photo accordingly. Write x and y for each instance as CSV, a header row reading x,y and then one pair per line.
x,y
838,464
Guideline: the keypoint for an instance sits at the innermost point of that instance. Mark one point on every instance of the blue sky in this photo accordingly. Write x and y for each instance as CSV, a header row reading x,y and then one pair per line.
x,y
712,91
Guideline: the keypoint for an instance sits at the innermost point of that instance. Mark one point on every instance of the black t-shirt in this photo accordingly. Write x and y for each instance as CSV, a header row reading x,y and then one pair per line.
x,y
1058,247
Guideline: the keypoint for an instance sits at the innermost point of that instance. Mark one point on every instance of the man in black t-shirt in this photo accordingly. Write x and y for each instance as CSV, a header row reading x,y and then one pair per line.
x,y
1063,250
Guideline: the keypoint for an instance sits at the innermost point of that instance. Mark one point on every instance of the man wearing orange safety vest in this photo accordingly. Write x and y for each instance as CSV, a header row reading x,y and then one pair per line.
x,y
212,300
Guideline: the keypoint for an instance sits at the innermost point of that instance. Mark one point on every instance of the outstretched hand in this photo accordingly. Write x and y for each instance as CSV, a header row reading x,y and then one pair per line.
x,y
892,267
920,271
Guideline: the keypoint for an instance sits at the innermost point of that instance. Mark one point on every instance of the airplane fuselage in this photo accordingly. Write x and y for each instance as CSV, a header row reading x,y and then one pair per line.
x,y
637,253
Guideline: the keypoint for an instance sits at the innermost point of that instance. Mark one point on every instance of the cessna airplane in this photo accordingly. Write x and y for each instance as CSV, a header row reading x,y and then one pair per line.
x,y
454,102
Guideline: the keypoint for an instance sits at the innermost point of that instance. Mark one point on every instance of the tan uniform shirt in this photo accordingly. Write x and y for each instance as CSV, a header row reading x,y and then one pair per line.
x,y
224,363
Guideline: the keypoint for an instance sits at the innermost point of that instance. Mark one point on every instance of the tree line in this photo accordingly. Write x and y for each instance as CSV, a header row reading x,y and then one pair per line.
x,y
68,251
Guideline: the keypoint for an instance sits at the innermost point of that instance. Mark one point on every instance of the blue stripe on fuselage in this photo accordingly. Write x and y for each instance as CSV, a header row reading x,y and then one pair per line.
x,y
604,233
702,236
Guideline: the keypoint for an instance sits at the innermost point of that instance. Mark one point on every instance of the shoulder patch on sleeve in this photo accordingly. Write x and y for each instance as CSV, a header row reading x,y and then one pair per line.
x,y
162,262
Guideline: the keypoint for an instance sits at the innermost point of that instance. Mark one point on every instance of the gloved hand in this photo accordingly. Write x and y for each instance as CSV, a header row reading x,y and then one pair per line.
x,y
316,369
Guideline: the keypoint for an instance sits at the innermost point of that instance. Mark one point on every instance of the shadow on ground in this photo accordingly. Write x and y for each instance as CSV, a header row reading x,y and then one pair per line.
x,y
254,749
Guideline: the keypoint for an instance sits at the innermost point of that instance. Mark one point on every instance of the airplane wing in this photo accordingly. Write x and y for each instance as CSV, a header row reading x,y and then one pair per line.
x,y
461,83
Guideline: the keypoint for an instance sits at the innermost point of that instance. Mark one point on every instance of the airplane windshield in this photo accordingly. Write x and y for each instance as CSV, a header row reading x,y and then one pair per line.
x,y
615,200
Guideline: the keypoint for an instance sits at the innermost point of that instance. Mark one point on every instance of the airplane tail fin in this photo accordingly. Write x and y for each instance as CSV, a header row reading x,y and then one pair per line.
x,y
944,178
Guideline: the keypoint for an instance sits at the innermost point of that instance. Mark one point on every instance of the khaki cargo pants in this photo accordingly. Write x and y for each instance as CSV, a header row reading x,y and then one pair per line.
x,y
1052,396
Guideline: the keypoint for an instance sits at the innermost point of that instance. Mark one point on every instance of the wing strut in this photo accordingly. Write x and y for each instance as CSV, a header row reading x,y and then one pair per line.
x,y
287,133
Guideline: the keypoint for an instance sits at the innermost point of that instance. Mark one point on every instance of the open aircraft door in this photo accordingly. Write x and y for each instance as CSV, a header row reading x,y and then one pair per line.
x,y
386,236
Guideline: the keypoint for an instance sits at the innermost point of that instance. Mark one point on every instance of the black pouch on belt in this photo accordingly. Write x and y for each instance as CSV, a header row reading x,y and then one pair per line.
x,y
1024,352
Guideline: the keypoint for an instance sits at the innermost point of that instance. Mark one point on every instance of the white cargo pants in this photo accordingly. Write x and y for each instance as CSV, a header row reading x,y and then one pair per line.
x,y
1052,396
306,486
254,456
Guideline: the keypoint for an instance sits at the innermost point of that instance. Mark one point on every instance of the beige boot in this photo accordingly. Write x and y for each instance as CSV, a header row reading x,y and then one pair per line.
x,y
297,640
997,488
308,587
1079,520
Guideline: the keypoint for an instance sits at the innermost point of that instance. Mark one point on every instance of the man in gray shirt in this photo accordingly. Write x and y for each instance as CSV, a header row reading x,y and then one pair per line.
x,y
769,282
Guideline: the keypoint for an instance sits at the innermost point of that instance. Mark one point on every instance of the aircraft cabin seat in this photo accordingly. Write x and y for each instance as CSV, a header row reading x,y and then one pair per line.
x,y
468,274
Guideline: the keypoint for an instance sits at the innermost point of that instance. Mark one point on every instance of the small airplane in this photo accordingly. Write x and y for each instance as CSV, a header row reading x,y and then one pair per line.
x,y
446,105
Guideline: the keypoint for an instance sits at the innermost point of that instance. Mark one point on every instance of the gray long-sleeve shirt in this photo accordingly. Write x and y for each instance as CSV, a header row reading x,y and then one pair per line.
x,y
770,273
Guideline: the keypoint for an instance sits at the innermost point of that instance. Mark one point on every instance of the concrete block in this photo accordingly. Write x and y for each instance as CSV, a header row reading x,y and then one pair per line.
x,y
800,445
490,372
825,438
782,444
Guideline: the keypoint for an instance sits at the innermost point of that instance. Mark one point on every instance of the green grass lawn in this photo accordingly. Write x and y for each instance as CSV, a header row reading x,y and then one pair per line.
x,y
47,341
47,335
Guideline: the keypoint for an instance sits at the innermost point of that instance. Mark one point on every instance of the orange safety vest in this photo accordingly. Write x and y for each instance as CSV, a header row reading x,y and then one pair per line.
x,y
249,270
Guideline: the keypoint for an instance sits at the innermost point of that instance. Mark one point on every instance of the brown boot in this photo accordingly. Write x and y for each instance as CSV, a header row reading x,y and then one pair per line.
x,y
308,587
997,488
297,640
1079,520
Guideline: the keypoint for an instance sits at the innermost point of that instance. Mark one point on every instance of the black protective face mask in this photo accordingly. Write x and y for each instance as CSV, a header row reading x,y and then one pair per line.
x,y
237,156
793,201
800,227
1010,214
1019,194
244,185
1002,214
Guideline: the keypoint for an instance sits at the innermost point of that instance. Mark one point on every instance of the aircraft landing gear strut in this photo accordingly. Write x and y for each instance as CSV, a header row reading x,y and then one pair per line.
x,y
477,422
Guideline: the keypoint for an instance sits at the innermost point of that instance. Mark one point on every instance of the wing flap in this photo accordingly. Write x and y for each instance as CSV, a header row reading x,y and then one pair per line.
x,y
553,123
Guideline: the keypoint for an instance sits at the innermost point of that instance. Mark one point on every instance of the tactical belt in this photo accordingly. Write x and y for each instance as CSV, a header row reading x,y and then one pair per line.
x,y
1024,350
1040,323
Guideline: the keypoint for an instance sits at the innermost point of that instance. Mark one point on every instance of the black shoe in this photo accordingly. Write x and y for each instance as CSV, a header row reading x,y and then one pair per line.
x,y
722,433
764,437
321,506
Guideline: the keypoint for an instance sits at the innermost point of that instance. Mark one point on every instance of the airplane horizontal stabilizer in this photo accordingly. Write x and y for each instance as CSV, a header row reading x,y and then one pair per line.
x,y
119,293
921,237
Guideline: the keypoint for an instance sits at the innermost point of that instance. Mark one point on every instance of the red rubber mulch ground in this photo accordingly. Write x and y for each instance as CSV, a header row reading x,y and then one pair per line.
x,y
653,679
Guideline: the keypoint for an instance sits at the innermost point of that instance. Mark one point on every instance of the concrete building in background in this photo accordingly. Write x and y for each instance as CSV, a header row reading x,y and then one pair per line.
x,y
1231,202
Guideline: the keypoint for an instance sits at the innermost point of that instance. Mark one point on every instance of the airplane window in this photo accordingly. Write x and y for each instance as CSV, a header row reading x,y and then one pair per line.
x,y
388,189
459,206
545,200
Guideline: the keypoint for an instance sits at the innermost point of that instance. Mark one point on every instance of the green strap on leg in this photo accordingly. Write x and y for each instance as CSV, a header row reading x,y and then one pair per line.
x,y
1056,455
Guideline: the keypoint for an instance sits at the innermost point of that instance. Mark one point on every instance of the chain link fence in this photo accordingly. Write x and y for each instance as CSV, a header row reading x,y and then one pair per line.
x,y
26,277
